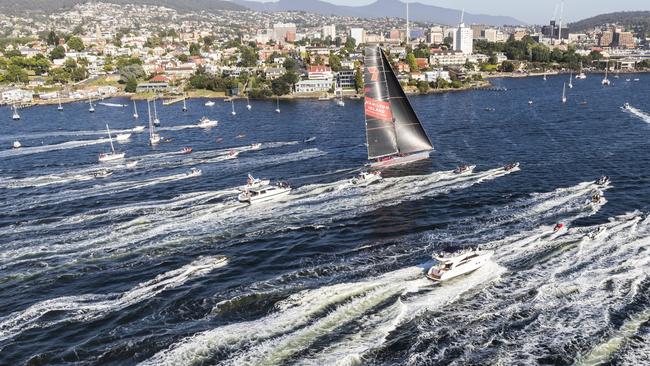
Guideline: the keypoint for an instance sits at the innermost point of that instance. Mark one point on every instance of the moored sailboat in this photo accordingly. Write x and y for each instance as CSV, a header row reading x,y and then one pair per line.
x,y
154,138
277,104
111,156
394,133
15,115
605,80
156,121
564,93
60,107
135,110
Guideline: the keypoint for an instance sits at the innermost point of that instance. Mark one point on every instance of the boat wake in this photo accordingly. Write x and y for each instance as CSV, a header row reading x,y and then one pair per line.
x,y
92,306
46,148
638,113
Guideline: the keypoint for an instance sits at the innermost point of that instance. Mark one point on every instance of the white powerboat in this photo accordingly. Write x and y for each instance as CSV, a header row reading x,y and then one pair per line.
x,y
206,122
17,145
558,230
194,172
111,156
122,136
138,129
209,103
596,199
464,169
511,166
626,106
463,263
256,146
366,178
252,182
604,180
265,193
310,139
102,173
598,233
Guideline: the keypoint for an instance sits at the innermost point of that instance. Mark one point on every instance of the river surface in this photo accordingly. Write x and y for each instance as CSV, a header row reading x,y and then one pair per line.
x,y
152,266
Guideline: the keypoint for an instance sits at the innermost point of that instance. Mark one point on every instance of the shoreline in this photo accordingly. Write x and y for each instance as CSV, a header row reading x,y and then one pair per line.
x,y
555,73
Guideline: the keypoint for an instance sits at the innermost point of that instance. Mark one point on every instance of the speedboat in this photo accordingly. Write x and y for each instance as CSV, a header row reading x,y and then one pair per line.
x,y
340,103
206,122
463,263
265,193
17,144
511,166
138,129
530,102
218,139
111,156
122,136
636,79
628,80
240,136
463,169
489,109
102,173
366,178
209,103
232,154
596,234
558,230
256,146
602,180
186,150
167,139
595,199
626,106
310,139
252,182
194,172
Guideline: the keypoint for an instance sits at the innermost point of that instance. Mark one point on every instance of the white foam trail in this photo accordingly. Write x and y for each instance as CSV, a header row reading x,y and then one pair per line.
x,y
638,113
46,148
42,135
92,306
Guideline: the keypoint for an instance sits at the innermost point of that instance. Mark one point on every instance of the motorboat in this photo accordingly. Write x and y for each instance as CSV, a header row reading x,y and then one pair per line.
x,y
241,136
511,166
602,180
122,136
111,156
310,139
530,102
186,150
598,233
489,109
167,139
132,164
366,178
102,173
596,199
209,103
463,169
17,145
206,122
636,79
340,102
460,264
232,154
256,146
558,230
628,80
252,182
194,172
116,105
265,193
626,106
218,139
138,129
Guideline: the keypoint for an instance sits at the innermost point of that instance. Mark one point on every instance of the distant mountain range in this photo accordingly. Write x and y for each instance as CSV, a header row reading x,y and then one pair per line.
x,y
638,20
380,9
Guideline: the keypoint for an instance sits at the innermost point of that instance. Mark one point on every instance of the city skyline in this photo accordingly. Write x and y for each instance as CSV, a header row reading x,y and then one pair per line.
x,y
530,12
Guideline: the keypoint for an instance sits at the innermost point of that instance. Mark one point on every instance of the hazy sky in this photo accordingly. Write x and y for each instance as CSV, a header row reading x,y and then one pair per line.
x,y
535,11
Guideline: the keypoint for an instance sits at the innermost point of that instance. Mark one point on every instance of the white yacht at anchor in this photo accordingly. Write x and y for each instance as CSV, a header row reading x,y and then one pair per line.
x,y
366,178
265,193
252,182
463,263
206,122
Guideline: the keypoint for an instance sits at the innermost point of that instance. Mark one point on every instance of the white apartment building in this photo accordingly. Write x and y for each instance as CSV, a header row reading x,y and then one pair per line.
x,y
329,31
358,34
463,38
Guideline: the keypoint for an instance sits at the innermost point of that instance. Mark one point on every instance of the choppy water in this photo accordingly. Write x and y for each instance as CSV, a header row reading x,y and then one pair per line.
x,y
150,266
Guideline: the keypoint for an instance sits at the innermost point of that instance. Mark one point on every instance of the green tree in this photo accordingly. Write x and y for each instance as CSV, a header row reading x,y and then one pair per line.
x,y
335,62
507,66
52,38
410,60
350,44
290,64
441,83
75,43
195,49
248,57
423,87
131,85
16,74
133,71
183,57
358,79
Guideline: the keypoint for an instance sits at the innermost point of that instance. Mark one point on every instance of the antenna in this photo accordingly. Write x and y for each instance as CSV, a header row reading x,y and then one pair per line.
x,y
462,16
559,36
408,30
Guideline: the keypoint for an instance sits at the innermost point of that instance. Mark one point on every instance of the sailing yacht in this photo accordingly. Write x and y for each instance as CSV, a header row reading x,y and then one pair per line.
x,y
232,104
571,80
111,156
156,121
60,107
248,103
92,108
277,103
184,105
605,79
394,133
135,110
154,138
544,75
340,102
15,116
564,93
581,75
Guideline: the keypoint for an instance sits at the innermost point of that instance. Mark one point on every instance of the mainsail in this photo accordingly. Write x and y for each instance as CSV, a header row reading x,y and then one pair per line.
x,y
392,127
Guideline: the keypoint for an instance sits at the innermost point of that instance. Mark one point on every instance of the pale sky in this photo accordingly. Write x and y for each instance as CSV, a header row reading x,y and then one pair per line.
x,y
534,12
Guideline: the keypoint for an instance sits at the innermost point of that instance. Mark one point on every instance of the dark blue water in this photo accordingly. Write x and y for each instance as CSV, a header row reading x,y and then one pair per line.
x,y
150,265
